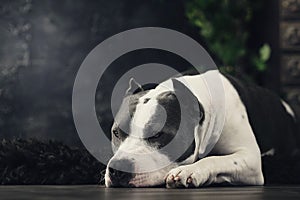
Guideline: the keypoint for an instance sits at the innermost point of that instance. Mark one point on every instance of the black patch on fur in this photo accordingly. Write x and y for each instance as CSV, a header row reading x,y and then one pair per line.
x,y
189,102
145,87
146,100
122,120
272,125
190,151
194,114
170,103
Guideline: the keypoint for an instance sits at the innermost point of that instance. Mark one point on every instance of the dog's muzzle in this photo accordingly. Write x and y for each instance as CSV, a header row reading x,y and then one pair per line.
x,y
118,177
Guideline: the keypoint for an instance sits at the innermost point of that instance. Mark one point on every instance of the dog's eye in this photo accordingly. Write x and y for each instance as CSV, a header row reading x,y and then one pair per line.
x,y
157,135
116,133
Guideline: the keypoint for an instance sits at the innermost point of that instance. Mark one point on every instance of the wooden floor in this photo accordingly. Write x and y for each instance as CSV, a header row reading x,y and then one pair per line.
x,y
100,193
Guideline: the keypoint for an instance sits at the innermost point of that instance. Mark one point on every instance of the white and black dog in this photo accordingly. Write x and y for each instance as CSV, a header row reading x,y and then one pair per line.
x,y
256,122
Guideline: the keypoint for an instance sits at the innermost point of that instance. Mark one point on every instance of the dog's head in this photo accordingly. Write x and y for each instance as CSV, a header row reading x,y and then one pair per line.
x,y
153,132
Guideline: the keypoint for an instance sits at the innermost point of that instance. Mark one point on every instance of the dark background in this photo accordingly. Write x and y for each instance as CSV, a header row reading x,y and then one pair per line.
x,y
44,42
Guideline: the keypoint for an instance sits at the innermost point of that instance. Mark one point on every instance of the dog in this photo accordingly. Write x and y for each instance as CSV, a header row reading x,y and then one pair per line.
x,y
216,144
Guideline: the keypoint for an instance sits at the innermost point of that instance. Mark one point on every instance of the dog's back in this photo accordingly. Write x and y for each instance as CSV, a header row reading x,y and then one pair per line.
x,y
275,125
272,120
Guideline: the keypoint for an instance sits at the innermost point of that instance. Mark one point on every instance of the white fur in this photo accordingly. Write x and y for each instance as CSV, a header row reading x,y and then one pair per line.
x,y
270,152
143,116
208,88
144,112
288,108
151,166
225,131
241,160
147,170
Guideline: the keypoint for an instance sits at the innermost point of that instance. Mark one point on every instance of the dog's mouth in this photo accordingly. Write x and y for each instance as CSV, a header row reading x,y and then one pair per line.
x,y
143,180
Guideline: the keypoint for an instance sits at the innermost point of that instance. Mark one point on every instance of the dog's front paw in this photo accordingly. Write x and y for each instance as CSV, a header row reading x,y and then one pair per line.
x,y
186,176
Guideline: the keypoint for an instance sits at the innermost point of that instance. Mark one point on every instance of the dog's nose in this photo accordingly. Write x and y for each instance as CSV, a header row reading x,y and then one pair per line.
x,y
120,178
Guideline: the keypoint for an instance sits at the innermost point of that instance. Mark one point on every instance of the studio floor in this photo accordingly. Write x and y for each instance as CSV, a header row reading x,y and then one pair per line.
x,y
92,192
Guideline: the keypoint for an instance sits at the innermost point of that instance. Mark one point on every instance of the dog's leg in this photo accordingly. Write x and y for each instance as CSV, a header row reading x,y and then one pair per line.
x,y
238,168
240,163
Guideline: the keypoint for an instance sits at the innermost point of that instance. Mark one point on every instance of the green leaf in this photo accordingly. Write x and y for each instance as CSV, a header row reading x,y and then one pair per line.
x,y
259,64
265,52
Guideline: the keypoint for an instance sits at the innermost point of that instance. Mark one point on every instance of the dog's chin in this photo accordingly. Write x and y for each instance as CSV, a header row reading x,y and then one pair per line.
x,y
147,180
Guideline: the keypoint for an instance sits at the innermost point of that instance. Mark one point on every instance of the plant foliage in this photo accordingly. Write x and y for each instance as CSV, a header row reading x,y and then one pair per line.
x,y
224,24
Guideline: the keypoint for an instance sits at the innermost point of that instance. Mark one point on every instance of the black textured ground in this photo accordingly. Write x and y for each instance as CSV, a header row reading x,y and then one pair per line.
x,y
33,162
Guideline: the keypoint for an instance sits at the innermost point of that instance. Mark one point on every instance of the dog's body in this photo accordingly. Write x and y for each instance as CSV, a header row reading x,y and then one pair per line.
x,y
217,143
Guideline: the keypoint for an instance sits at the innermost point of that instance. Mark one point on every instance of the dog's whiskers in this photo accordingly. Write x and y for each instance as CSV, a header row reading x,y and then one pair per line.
x,y
102,176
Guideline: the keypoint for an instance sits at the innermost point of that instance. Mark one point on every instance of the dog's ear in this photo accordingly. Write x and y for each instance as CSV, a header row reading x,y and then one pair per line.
x,y
133,87
188,100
